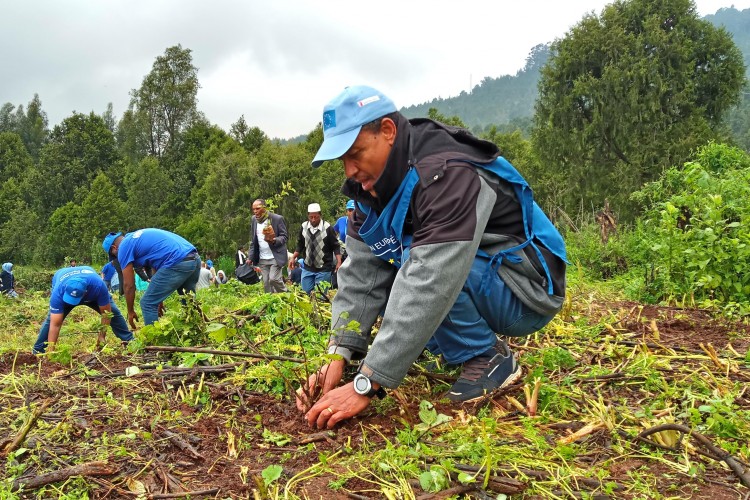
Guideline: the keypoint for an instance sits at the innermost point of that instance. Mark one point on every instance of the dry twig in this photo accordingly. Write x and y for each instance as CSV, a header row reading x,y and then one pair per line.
x,y
739,470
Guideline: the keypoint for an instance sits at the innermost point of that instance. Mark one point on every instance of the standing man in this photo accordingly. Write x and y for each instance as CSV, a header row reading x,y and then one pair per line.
x,y
318,244
447,236
204,278
268,246
73,286
173,259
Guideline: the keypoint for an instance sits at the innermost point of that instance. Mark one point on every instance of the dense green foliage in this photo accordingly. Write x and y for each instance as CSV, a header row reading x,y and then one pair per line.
x,y
629,93
162,165
698,228
691,246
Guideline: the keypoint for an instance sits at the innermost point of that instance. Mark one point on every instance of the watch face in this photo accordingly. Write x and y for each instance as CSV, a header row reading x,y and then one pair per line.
x,y
362,384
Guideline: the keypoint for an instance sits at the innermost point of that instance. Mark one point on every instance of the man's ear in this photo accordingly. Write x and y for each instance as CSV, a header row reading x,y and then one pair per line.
x,y
388,129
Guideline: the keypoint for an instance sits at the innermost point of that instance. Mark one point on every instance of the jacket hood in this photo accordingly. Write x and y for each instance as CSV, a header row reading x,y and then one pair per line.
x,y
8,267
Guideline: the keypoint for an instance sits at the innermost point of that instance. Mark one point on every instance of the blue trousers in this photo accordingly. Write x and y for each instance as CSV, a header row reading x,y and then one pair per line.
x,y
117,323
472,324
310,279
181,277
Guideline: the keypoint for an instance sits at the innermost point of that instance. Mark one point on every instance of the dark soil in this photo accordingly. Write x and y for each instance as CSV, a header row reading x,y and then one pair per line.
x,y
162,467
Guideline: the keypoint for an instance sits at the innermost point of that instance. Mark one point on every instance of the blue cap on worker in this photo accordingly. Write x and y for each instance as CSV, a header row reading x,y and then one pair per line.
x,y
75,289
108,240
344,116
350,205
209,263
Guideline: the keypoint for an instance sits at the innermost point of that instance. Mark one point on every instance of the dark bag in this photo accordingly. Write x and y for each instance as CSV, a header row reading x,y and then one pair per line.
x,y
246,274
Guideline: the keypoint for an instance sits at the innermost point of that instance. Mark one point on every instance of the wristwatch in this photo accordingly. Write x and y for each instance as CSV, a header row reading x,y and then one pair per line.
x,y
363,386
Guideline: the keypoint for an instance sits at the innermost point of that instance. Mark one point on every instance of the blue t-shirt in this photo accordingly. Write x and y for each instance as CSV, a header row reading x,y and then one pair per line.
x,y
154,248
340,227
96,290
108,271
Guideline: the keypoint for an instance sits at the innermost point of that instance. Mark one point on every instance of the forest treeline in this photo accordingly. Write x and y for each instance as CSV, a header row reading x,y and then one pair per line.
x,y
625,95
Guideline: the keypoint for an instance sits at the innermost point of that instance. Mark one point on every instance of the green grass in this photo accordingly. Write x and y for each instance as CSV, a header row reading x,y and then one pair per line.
x,y
588,371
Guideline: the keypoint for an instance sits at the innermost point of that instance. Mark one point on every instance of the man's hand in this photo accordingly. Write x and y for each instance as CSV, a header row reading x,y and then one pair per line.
x,y
51,347
269,234
160,310
100,339
132,318
339,404
326,379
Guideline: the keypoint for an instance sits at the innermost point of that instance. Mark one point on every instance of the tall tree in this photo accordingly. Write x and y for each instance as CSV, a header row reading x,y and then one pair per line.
x,y
80,147
187,163
147,186
629,93
109,118
33,127
29,123
166,103
251,138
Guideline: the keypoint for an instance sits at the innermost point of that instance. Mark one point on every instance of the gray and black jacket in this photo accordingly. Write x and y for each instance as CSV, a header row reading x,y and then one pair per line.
x,y
456,208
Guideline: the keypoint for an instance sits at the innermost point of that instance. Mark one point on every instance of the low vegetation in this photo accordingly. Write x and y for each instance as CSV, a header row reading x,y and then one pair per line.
x,y
619,400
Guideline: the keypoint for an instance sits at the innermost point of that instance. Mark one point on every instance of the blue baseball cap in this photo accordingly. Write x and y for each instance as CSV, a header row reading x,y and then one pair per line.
x,y
75,289
344,116
350,205
301,263
210,263
108,240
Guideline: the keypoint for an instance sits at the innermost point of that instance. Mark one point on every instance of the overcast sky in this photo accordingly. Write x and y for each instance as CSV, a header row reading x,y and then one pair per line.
x,y
275,62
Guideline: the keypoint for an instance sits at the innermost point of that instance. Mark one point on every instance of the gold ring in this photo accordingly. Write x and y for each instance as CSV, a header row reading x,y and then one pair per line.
x,y
330,410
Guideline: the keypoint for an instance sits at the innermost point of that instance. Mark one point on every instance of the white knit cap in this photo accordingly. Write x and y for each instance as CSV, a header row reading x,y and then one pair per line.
x,y
313,207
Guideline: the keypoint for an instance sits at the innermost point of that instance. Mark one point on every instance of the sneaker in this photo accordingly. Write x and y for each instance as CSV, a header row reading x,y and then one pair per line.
x,y
495,369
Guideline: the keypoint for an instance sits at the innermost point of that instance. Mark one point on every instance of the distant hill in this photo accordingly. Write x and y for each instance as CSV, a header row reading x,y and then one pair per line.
x,y
499,101
737,23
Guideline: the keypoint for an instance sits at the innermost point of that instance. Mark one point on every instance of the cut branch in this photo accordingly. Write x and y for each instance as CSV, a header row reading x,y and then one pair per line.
x,y
182,444
220,353
184,494
17,441
90,469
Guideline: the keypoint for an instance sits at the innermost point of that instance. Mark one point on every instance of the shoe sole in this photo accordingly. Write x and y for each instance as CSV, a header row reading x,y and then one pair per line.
x,y
508,381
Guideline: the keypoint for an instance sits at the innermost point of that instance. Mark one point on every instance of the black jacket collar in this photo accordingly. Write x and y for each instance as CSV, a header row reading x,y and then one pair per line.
x,y
416,140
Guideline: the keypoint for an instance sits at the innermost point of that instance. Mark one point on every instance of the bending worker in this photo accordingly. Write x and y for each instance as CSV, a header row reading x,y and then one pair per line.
x,y
74,286
445,241
173,259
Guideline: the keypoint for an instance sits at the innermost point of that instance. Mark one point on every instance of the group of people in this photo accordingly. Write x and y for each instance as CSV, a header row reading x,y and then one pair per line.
x,y
317,256
210,276
443,241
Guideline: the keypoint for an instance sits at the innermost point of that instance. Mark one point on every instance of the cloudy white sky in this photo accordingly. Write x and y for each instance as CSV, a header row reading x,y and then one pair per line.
x,y
275,62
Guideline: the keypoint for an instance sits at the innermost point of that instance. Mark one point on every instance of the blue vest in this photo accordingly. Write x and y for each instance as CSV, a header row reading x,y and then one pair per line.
x,y
384,233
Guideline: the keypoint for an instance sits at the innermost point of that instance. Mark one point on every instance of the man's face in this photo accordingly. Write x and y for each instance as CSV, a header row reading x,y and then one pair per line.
x,y
115,248
314,218
349,212
258,210
366,159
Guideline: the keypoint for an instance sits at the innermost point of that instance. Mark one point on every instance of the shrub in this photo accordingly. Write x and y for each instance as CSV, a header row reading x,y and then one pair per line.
x,y
698,218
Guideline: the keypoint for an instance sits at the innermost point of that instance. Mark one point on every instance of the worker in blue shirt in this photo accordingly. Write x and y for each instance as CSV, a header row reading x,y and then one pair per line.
x,y
108,270
73,286
341,223
173,259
